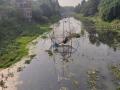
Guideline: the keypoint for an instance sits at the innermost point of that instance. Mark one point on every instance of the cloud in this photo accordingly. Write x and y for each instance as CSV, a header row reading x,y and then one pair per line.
x,y
69,2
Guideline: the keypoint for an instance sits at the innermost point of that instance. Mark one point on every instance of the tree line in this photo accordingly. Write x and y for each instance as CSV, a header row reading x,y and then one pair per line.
x,y
16,32
42,10
108,10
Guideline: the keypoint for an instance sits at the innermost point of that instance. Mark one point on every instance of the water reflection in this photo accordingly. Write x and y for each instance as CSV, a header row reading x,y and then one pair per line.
x,y
104,36
62,56
68,65
66,79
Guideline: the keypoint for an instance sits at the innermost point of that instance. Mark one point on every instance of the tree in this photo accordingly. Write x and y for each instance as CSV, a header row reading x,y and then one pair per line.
x,y
45,9
80,7
109,10
89,8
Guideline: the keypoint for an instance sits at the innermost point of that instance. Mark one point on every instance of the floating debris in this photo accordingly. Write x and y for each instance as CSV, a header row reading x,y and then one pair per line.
x,y
82,32
44,36
27,61
115,70
49,52
68,38
19,69
63,88
32,56
34,43
74,35
10,74
118,88
2,84
92,79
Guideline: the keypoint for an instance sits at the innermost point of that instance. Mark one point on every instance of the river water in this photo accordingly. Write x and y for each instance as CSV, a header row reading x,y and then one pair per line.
x,y
92,52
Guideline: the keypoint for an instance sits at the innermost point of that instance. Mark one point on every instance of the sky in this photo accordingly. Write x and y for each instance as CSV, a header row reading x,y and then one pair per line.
x,y
69,2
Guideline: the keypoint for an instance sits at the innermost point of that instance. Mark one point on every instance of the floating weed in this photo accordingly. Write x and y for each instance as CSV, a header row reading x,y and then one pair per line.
x,y
82,32
63,88
27,61
50,53
76,84
32,56
19,69
34,43
118,88
92,79
44,36
115,70
75,35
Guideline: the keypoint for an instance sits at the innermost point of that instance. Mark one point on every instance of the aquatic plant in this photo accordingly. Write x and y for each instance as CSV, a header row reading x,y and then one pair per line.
x,y
50,53
44,36
116,71
92,79
27,61
32,56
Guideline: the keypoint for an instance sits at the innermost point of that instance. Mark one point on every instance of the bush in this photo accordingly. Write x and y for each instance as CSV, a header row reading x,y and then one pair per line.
x,y
109,10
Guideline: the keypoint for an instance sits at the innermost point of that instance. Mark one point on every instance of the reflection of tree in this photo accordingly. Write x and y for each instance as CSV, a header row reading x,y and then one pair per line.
x,y
92,38
105,36
63,58
65,76
108,37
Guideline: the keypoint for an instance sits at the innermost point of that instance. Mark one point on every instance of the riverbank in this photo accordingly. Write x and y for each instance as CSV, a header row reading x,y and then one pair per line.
x,y
104,30
10,75
14,37
100,24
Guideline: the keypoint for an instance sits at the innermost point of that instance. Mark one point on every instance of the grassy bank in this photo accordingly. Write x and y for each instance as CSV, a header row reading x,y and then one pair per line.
x,y
99,23
14,37
108,32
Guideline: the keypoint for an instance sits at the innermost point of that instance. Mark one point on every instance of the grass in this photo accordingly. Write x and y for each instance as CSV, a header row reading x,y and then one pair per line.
x,y
108,32
14,38
99,23
114,25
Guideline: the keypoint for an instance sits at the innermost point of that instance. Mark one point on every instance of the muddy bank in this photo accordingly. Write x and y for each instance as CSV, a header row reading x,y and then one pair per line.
x,y
9,77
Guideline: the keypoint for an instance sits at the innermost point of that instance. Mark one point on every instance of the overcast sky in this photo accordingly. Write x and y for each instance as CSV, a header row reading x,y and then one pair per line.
x,y
69,2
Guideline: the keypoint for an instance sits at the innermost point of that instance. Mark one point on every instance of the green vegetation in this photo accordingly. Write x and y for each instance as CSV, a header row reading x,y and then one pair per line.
x,y
109,9
88,8
92,79
107,32
27,61
99,23
115,25
115,69
50,53
14,39
103,13
16,32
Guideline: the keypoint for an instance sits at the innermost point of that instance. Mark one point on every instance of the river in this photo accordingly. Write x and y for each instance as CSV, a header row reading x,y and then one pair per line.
x,y
86,68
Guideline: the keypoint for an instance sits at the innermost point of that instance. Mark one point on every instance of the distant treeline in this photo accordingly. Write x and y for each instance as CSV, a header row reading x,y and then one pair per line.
x,y
42,10
15,29
108,10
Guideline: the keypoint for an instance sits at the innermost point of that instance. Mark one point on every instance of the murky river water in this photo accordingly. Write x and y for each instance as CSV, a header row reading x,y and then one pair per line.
x,y
91,53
